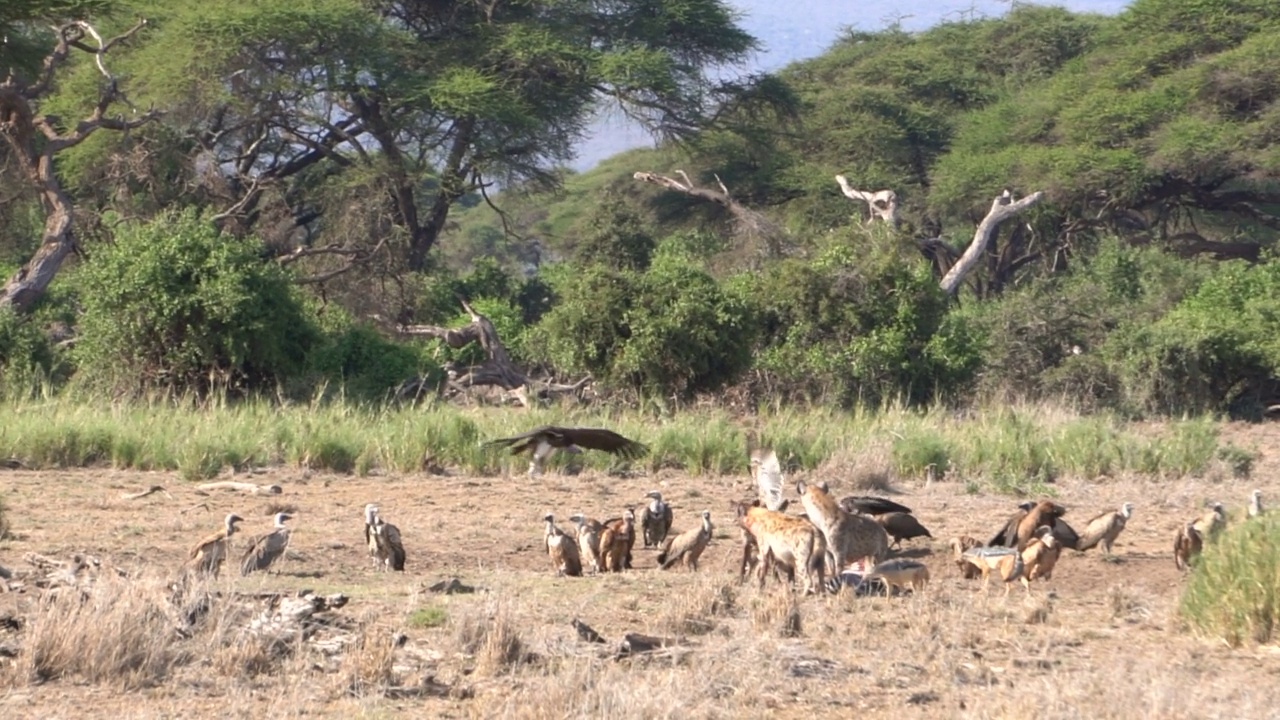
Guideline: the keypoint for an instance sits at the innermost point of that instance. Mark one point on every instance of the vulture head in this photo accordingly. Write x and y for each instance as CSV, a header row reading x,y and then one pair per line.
x,y
281,517
231,521
370,514
1126,510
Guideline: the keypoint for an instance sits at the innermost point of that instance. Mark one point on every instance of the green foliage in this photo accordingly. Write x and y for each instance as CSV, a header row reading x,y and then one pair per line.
x,y
173,304
362,362
428,617
670,329
1216,351
616,237
1234,591
23,349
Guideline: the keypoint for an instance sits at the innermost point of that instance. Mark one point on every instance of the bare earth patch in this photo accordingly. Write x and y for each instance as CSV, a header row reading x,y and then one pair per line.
x,y
1101,640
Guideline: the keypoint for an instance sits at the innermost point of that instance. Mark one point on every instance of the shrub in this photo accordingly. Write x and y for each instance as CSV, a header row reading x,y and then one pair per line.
x,y
1234,591
175,304
362,361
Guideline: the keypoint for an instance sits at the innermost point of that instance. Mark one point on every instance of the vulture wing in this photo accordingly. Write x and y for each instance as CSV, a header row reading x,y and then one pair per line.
x,y
1007,536
768,478
1095,530
528,441
264,552
871,505
390,535
1066,534
601,439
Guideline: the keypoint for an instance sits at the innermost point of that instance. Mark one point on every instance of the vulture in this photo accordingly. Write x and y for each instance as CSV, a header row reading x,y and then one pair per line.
x,y
655,519
383,540
871,505
1004,560
1007,535
1186,544
1039,557
207,556
266,549
562,550
687,546
958,546
1212,522
1104,529
616,541
1044,514
1255,503
900,526
543,441
767,472
1066,535
588,540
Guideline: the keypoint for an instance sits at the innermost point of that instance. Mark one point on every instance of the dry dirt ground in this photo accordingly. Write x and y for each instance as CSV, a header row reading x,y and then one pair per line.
x,y
1100,640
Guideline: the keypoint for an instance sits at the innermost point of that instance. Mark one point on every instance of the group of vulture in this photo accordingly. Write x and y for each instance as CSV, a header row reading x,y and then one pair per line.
x,y
853,534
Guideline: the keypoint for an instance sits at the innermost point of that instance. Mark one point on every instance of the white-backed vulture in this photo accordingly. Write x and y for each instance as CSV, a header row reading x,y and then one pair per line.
x,y
542,442
655,519
1211,522
383,540
588,541
901,526
1255,503
266,549
1104,528
1186,544
562,549
616,541
206,557
687,546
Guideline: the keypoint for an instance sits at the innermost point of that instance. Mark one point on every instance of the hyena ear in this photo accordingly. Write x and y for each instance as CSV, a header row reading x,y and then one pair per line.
x,y
800,486
822,485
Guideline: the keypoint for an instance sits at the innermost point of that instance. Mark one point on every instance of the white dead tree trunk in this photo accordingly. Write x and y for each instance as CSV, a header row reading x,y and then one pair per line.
x,y
883,203
749,223
1002,208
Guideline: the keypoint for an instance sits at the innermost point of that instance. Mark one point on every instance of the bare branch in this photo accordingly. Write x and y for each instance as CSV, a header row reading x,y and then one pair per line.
x,y
883,203
1002,208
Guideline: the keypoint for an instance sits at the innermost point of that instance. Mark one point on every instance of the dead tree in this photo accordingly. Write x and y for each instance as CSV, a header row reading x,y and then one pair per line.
x,y
883,203
36,141
747,222
497,370
1002,208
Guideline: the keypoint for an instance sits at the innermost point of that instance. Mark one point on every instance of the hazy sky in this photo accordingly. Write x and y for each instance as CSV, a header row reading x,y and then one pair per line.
x,y
792,31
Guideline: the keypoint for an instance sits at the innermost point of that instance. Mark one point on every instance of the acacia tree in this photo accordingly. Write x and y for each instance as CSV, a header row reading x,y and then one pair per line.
x,y
392,111
36,138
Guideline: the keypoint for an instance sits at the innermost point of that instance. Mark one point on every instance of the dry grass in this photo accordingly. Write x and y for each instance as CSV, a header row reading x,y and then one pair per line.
x,y
950,652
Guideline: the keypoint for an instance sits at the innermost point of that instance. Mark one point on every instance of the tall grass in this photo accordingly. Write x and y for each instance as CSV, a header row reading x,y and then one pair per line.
x,y
1007,447
1234,591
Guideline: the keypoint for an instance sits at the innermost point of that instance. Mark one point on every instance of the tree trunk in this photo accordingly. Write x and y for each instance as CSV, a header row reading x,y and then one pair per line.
x,y
1002,208
21,123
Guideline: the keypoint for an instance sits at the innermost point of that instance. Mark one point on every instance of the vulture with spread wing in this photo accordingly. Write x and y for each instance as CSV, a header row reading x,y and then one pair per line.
x,y
541,442
767,472
871,505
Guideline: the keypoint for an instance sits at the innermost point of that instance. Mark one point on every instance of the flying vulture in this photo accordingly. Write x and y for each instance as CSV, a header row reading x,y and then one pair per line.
x,y
207,556
383,540
266,549
1103,529
655,519
543,441
562,549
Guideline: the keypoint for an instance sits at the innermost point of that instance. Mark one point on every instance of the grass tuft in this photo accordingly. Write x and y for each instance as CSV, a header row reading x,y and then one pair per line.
x,y
1234,590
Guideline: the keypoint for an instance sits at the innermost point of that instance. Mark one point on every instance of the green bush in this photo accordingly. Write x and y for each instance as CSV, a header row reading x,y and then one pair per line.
x,y
364,363
173,304
1234,590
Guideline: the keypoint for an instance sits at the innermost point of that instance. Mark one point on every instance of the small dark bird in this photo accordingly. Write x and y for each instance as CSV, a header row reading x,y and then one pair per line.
x,y
542,442
902,526
871,505
586,632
